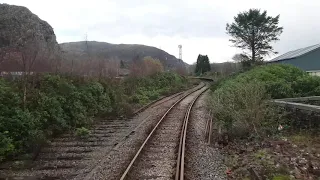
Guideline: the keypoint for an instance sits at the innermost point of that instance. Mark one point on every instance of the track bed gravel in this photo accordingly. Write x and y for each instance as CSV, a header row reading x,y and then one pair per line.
x,y
202,161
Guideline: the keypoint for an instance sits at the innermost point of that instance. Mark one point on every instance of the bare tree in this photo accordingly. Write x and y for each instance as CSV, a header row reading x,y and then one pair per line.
x,y
55,59
136,67
181,69
5,46
112,67
101,67
3,54
31,48
151,66
225,68
6,51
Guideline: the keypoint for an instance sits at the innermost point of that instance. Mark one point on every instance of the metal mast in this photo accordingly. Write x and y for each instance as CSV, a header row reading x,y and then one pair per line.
x,y
180,51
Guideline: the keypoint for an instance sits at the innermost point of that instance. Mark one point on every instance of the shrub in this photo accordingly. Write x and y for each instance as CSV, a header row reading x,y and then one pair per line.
x,y
281,177
18,128
153,95
95,98
6,145
241,105
241,108
50,110
279,80
146,89
82,132
307,86
58,103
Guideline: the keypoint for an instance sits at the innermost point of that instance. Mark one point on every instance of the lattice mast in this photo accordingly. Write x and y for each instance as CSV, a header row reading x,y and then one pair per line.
x,y
180,51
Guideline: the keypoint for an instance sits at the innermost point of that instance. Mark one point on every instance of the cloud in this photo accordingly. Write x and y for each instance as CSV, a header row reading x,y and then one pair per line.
x,y
199,25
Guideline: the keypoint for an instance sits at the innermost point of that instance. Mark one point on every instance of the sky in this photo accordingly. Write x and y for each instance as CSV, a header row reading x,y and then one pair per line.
x,y
198,25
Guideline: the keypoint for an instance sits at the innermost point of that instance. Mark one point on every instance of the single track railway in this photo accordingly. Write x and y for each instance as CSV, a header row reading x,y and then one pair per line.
x,y
161,155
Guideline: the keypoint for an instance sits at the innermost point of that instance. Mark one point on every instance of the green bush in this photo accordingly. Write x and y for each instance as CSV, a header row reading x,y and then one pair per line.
x,y
279,80
240,103
144,90
18,128
153,95
6,145
95,98
82,132
242,109
50,110
281,177
58,103
307,86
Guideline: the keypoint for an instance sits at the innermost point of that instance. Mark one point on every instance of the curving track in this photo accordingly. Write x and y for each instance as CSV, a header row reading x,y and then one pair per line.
x,y
161,155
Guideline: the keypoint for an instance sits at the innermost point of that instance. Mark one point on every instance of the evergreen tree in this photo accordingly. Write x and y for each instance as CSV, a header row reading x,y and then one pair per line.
x,y
206,64
122,66
203,65
253,31
197,70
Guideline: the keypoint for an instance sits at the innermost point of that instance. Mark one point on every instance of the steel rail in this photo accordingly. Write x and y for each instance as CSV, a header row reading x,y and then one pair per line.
x,y
153,130
183,137
154,103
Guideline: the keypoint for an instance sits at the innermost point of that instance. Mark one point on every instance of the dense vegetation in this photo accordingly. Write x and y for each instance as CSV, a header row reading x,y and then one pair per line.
x,y
241,101
258,135
59,103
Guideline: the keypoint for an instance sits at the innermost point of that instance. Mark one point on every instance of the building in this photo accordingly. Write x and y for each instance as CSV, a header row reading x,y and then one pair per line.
x,y
307,59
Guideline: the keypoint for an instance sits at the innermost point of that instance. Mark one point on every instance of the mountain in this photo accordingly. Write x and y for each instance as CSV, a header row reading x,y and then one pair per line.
x,y
26,38
125,52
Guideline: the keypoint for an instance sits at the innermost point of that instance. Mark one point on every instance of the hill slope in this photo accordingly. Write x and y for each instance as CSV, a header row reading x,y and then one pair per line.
x,y
124,52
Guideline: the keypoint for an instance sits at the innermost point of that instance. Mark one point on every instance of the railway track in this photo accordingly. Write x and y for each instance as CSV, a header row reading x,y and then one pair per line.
x,y
67,157
161,155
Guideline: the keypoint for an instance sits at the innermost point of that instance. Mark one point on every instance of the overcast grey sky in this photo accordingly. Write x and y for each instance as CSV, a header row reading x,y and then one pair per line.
x,y
199,25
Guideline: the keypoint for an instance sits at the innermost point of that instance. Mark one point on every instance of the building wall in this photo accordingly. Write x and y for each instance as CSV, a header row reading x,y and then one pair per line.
x,y
307,62
314,73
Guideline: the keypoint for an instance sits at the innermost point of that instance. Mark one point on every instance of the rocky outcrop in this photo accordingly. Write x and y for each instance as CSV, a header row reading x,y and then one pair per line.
x,y
22,32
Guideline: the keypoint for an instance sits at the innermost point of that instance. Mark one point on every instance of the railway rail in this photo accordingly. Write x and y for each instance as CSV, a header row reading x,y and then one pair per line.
x,y
157,102
161,155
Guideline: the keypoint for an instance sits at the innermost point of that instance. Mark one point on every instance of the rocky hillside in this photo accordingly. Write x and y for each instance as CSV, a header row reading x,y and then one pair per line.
x,y
23,33
124,52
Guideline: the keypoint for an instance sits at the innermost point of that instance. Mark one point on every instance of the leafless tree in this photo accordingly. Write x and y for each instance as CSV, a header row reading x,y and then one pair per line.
x,y
151,66
112,67
55,59
181,70
225,68
3,54
31,48
136,67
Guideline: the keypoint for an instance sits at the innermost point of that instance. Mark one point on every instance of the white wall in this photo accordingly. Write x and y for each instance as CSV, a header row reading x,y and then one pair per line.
x,y
314,73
